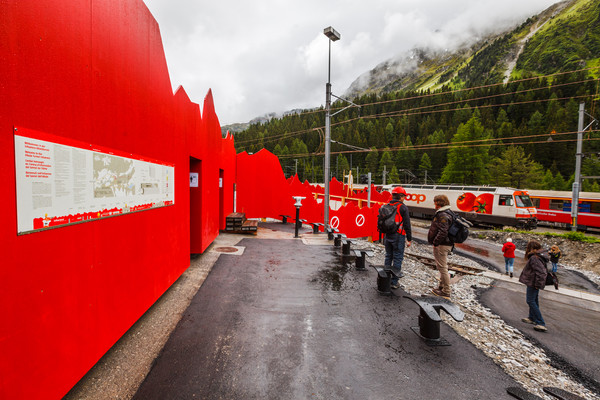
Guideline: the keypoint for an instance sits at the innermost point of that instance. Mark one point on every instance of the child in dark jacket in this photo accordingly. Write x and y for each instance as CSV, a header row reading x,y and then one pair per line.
x,y
554,256
534,277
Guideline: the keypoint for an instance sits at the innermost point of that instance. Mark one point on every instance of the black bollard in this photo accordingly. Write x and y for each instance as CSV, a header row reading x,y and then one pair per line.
x,y
297,221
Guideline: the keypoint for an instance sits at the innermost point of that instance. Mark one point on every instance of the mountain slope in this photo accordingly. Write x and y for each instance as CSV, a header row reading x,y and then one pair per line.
x,y
564,37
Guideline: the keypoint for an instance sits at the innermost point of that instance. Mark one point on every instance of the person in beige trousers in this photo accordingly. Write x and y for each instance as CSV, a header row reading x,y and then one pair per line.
x,y
442,245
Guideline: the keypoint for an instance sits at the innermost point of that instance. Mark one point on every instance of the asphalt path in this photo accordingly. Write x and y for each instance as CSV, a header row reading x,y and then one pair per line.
x,y
573,338
290,320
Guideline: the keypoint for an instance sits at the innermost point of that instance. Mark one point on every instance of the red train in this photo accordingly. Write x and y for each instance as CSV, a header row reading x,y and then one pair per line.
x,y
554,209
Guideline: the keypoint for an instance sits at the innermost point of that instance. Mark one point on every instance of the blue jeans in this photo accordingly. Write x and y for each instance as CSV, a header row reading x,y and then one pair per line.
x,y
554,266
534,306
508,264
394,253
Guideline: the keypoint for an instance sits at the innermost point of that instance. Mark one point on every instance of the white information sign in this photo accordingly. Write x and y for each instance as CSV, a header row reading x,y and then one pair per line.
x,y
61,182
193,179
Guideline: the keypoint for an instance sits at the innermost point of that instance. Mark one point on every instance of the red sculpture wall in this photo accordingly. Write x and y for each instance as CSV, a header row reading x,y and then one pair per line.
x,y
263,192
95,72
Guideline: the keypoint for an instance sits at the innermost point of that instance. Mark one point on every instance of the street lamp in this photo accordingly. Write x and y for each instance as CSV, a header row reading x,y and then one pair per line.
x,y
333,36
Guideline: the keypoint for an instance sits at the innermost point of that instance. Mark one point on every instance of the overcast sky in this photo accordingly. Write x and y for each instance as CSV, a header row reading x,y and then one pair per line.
x,y
271,55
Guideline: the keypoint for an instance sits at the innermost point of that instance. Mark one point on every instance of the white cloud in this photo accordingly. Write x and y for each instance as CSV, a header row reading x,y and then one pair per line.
x,y
271,55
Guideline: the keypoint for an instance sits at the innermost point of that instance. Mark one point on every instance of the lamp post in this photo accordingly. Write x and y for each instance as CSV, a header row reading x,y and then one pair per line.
x,y
333,36
298,204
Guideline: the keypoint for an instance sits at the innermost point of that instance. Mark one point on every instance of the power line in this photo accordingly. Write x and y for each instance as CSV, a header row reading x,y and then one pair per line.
x,y
466,143
440,93
399,113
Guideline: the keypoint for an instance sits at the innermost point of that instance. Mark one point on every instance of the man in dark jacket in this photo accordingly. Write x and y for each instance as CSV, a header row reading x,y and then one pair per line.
x,y
395,242
442,245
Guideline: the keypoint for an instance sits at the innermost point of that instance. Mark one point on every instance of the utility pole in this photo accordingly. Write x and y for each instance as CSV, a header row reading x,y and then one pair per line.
x,y
577,182
384,172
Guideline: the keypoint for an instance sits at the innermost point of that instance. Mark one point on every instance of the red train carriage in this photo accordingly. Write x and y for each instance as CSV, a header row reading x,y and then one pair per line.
x,y
482,205
554,208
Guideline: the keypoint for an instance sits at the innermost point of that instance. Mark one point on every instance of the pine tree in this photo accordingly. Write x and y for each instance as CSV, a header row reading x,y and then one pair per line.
x,y
425,166
394,177
385,161
517,170
372,161
467,164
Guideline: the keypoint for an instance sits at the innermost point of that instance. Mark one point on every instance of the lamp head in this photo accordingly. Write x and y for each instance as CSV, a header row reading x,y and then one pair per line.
x,y
298,201
332,34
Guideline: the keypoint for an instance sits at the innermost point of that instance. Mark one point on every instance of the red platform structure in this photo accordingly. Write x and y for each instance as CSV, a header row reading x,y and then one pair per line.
x,y
78,77
110,182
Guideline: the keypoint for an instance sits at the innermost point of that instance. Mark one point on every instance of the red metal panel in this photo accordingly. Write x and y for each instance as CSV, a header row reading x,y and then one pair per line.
x,y
94,71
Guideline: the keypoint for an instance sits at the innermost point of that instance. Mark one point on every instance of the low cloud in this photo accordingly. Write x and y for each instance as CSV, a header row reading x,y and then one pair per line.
x,y
271,56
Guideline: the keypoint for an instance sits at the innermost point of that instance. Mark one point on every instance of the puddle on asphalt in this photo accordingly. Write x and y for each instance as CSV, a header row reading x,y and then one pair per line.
x,y
332,275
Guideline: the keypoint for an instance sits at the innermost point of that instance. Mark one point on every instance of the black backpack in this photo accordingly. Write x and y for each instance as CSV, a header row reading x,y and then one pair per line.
x,y
459,229
386,220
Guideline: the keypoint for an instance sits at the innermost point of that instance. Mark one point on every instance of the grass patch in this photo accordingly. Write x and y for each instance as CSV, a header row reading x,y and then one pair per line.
x,y
574,236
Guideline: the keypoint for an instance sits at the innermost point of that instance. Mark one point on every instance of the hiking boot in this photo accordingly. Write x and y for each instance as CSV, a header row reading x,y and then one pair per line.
x,y
528,321
439,293
395,285
511,275
540,328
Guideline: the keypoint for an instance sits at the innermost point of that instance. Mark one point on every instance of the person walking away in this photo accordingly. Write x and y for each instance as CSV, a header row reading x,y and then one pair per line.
x,y
534,277
554,256
396,242
509,256
442,245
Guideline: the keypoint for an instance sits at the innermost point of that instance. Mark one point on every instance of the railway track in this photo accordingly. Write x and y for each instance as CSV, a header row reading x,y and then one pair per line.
x,y
460,268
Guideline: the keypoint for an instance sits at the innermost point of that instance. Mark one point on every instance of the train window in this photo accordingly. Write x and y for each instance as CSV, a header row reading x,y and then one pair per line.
x,y
585,207
505,200
557,205
595,207
536,202
523,201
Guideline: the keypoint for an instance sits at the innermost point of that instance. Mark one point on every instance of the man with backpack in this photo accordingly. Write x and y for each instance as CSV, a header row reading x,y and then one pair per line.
x,y
394,222
442,245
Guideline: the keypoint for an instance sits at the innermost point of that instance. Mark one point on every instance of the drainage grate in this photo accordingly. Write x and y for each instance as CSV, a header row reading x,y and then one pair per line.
x,y
226,249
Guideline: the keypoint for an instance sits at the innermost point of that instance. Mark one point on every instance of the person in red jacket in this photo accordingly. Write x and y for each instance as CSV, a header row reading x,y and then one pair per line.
x,y
509,256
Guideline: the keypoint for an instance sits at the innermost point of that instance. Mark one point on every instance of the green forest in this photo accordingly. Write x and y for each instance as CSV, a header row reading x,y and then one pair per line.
x,y
473,129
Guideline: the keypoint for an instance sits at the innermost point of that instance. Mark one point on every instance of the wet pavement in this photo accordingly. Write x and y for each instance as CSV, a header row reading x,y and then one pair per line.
x,y
285,319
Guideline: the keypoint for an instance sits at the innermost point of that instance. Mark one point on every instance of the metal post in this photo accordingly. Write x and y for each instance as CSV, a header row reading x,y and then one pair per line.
x,y
332,35
577,182
298,223
369,192
327,147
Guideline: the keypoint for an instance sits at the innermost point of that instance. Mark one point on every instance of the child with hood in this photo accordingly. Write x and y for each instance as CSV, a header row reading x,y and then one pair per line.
x,y
554,256
509,256
534,277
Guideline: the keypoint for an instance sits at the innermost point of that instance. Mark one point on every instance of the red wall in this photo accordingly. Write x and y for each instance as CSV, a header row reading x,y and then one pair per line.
x,y
95,71
264,192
